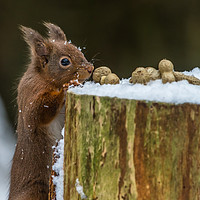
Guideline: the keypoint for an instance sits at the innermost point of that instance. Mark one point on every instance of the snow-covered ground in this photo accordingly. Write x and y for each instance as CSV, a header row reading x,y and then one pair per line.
x,y
7,146
176,92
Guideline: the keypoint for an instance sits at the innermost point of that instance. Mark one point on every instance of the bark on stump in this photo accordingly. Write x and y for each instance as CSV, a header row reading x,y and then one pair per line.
x,y
123,149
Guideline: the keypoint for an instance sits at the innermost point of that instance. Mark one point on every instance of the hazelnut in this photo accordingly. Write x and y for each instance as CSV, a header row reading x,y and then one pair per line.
x,y
166,69
140,75
102,81
111,79
99,72
153,73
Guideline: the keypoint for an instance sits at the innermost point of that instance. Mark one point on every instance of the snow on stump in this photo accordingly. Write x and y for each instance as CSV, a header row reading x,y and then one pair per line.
x,y
128,148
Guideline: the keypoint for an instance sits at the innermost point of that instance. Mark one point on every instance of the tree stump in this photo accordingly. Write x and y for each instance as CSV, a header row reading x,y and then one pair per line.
x,y
123,149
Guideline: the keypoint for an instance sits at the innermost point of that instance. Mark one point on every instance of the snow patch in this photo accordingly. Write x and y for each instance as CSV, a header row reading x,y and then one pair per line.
x,y
58,181
176,92
79,189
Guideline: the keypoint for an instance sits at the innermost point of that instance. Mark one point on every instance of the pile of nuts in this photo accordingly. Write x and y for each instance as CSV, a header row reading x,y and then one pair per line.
x,y
143,75
103,75
165,72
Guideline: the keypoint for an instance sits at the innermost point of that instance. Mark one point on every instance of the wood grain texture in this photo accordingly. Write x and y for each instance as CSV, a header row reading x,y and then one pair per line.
x,y
123,149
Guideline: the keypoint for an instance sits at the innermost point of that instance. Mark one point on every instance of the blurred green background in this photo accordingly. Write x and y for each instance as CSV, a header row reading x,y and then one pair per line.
x,y
120,34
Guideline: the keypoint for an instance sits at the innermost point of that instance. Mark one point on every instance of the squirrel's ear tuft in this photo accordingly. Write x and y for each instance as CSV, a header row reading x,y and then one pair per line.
x,y
36,42
55,32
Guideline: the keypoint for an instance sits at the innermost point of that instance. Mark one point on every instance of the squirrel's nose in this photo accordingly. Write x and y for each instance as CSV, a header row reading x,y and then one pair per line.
x,y
90,68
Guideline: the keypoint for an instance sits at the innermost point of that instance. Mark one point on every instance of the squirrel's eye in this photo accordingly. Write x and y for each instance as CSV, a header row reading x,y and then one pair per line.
x,y
64,62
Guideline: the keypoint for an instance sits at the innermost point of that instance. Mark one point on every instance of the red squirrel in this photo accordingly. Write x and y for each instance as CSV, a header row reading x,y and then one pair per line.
x,y
55,64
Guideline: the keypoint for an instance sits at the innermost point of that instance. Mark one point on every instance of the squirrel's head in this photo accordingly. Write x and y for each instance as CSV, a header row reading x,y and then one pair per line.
x,y
55,58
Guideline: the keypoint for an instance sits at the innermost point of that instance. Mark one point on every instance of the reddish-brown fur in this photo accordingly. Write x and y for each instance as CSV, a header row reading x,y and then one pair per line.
x,y
40,99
